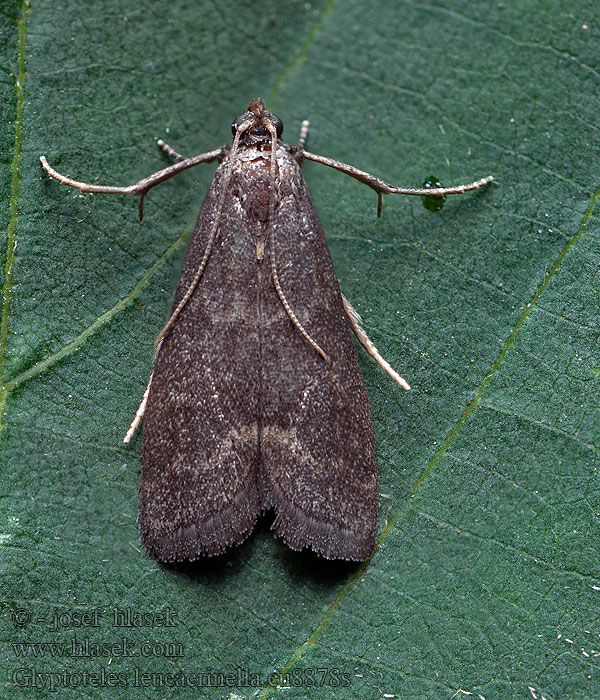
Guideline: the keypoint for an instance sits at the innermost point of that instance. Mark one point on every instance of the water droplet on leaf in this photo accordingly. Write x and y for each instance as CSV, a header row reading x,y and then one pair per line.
x,y
433,203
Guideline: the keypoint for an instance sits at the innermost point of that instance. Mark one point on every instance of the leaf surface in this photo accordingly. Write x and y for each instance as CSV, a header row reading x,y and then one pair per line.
x,y
486,582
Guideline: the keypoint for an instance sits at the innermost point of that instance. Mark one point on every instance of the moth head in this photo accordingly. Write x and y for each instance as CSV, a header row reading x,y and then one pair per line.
x,y
257,132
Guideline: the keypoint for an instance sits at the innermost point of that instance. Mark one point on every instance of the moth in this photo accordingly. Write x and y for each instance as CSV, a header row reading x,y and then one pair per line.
x,y
256,400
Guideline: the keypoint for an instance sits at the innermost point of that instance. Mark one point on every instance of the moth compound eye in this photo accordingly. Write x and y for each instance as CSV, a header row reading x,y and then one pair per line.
x,y
236,123
278,124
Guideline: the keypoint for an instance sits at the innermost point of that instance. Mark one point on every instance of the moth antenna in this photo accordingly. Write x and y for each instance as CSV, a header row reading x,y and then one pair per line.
x,y
213,232
369,346
303,133
171,152
139,413
284,301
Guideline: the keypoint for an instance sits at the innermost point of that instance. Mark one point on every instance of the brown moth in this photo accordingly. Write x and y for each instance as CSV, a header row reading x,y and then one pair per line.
x,y
256,399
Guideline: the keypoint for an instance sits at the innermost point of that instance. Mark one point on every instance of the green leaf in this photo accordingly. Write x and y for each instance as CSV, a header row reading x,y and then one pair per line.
x,y
486,583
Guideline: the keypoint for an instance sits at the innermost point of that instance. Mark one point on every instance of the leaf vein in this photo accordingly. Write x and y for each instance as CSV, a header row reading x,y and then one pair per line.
x,y
11,232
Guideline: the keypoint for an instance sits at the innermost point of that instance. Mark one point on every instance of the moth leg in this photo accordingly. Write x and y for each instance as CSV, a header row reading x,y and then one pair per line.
x,y
171,152
382,187
141,187
368,345
139,413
